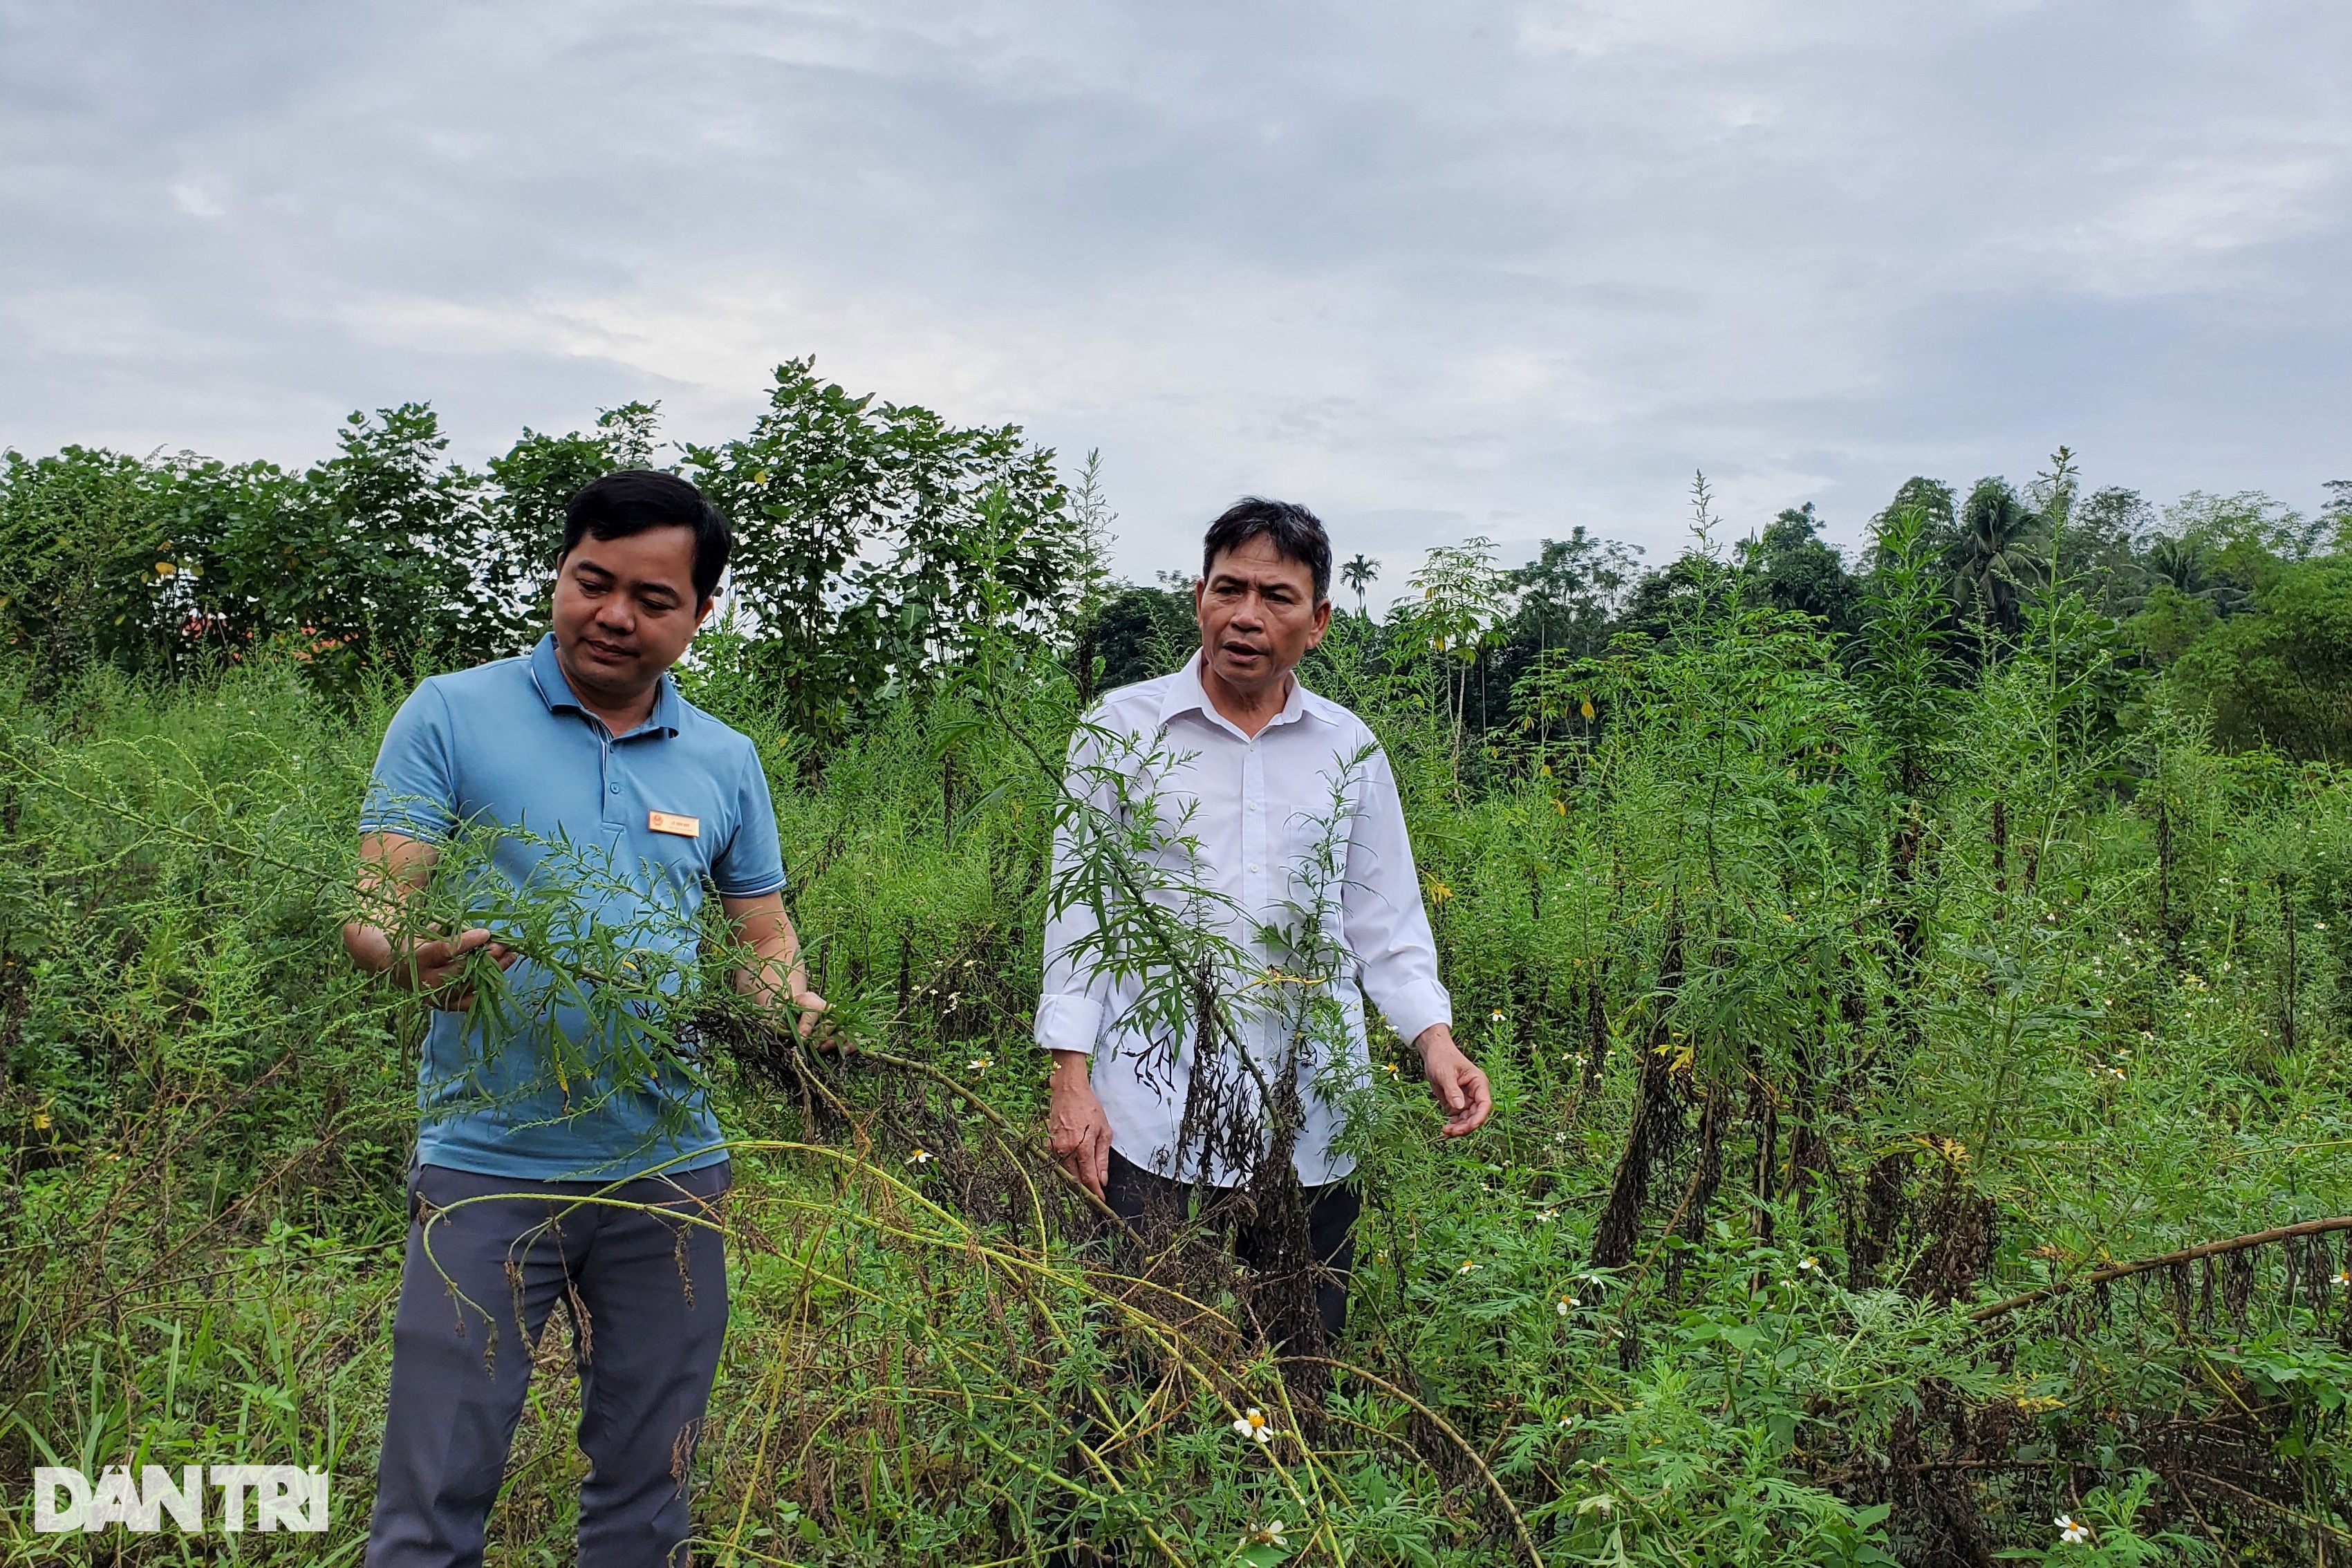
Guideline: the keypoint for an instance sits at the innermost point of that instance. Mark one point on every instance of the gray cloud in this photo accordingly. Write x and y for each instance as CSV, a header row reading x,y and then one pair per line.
x,y
1437,271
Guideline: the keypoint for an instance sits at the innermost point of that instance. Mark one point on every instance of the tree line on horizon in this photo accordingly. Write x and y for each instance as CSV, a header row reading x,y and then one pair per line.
x,y
865,528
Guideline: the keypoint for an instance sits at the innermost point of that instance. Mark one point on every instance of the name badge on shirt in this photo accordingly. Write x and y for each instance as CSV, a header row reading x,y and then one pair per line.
x,y
671,822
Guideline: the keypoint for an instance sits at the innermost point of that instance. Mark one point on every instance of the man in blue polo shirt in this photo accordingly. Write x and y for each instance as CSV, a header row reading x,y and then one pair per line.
x,y
597,781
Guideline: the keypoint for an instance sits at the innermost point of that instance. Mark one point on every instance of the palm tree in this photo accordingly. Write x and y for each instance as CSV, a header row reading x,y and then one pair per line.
x,y
1995,556
2186,566
1358,572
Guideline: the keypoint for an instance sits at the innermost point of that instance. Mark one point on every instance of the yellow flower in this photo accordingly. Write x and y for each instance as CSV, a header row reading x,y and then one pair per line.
x,y
1585,707
1560,806
1438,892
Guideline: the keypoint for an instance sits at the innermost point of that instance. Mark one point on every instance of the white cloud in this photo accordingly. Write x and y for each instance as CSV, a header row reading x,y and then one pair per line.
x,y
1492,268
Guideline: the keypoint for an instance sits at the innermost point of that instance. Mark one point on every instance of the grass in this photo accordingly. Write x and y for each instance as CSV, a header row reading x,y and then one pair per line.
x,y
1827,1001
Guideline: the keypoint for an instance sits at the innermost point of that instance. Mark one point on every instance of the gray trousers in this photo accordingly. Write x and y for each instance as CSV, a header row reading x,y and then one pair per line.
x,y
648,1297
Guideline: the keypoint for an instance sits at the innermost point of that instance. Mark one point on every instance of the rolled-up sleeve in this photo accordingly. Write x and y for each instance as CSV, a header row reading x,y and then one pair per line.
x,y
1387,927
1075,997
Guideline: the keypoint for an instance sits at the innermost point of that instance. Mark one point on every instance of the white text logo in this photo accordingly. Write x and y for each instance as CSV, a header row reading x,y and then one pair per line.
x,y
284,1498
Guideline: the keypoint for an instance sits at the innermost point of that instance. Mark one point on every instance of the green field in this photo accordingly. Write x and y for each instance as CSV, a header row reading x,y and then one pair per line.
x,y
1861,990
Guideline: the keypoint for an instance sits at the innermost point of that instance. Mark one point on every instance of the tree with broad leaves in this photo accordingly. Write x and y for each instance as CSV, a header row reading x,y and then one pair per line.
x,y
859,529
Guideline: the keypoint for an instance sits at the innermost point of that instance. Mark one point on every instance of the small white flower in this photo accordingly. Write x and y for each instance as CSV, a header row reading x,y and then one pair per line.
x,y
1468,1265
2070,1531
1269,1534
1254,1424
1566,1305
1545,1217
2344,1278
1496,1017
921,1157
978,1064
1810,1266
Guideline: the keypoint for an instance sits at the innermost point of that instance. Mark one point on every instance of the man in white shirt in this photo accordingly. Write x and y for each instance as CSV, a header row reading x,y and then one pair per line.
x,y
1270,816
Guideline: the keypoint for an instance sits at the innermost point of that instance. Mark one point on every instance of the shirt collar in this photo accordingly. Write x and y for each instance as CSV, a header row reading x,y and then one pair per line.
x,y
547,676
1187,695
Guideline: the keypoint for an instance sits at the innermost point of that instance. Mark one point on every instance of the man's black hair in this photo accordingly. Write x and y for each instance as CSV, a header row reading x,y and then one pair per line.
x,y
634,500
1298,535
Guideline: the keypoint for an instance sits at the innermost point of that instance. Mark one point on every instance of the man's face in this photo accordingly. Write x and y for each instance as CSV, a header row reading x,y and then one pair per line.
x,y
1258,614
624,611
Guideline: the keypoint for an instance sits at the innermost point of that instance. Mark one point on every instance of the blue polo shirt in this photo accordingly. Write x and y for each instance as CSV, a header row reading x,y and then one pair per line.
x,y
506,745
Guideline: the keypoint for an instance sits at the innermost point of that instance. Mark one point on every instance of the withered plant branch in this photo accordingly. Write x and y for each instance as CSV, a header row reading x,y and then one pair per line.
x,y
2186,1255
1518,1525
850,1047
2318,1525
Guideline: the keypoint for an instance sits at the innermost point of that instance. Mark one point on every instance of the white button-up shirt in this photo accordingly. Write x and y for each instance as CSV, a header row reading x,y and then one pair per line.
x,y
1299,825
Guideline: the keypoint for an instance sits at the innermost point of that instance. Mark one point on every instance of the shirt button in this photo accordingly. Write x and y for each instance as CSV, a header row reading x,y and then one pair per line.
x,y
616,789
1253,868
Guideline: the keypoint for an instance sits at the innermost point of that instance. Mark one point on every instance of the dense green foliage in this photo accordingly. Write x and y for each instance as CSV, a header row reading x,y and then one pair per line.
x,y
1837,990
853,526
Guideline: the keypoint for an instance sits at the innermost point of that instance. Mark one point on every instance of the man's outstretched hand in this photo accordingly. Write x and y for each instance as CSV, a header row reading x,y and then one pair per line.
x,y
814,1027
434,969
1077,1133
1462,1091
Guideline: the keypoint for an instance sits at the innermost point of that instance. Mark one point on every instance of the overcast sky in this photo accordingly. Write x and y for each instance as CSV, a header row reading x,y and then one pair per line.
x,y
1436,270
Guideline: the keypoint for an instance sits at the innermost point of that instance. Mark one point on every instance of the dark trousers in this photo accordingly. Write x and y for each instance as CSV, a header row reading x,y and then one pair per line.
x,y
648,1297
1145,1200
